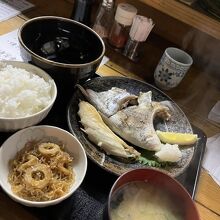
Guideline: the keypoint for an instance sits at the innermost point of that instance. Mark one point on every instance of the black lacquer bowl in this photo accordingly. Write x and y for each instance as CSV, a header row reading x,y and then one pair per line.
x,y
177,123
61,46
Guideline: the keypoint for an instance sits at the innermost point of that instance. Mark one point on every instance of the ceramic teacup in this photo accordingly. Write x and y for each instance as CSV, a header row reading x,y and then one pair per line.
x,y
172,68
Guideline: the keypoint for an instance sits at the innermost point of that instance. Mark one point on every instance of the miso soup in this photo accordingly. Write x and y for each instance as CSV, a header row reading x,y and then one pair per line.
x,y
143,201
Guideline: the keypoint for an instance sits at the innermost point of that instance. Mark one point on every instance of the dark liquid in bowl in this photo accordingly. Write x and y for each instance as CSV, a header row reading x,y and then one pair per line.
x,y
62,41
63,50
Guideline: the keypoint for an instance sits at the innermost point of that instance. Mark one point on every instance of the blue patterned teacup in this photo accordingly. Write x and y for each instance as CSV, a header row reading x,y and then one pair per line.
x,y
172,67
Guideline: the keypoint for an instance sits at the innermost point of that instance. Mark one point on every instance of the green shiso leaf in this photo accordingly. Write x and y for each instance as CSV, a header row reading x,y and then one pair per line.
x,y
147,158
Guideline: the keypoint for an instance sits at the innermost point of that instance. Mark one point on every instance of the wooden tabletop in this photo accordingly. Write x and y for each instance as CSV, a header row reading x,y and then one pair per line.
x,y
196,95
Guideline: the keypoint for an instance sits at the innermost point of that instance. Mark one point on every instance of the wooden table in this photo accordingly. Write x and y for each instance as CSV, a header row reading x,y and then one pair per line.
x,y
196,95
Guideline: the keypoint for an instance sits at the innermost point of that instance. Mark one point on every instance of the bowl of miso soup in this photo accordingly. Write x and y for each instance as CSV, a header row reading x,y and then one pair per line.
x,y
143,194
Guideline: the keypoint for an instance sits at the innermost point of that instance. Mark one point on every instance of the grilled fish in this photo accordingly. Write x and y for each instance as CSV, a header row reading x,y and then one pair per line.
x,y
135,123
111,101
99,133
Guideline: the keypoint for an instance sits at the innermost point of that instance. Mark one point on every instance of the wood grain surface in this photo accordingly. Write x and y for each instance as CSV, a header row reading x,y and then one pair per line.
x,y
196,94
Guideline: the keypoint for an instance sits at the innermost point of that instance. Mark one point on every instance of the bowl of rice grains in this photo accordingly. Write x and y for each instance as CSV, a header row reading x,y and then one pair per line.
x,y
27,94
41,165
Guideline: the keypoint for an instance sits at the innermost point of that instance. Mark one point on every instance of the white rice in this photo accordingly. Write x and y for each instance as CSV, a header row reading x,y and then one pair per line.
x,y
21,92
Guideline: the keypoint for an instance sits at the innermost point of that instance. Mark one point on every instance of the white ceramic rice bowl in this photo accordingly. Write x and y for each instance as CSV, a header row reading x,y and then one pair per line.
x,y
13,124
17,141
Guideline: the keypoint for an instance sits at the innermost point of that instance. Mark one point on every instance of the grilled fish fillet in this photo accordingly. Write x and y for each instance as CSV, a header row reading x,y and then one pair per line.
x,y
135,123
99,133
111,101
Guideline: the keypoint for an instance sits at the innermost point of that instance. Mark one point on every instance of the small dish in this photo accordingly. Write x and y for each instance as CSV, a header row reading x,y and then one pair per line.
x,y
57,135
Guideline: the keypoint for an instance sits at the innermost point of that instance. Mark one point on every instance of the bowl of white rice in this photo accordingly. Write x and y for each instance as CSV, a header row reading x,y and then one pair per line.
x,y
27,94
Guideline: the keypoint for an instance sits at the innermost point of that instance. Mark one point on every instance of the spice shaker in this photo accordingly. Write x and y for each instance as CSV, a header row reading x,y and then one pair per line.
x,y
140,29
104,18
120,29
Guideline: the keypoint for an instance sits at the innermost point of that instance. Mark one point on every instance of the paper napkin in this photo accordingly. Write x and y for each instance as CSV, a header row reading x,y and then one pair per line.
x,y
211,160
11,8
104,60
214,114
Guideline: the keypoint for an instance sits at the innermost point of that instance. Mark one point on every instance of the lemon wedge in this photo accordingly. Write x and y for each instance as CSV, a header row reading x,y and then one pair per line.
x,y
177,138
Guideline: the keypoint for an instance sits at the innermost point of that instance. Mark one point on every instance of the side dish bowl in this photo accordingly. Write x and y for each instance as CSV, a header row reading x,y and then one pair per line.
x,y
15,123
17,141
63,47
161,192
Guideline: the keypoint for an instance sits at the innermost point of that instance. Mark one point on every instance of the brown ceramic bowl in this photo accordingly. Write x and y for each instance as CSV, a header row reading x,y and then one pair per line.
x,y
159,180
61,46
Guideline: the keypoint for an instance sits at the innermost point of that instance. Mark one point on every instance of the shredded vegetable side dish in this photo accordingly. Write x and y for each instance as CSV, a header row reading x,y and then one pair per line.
x,y
41,172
